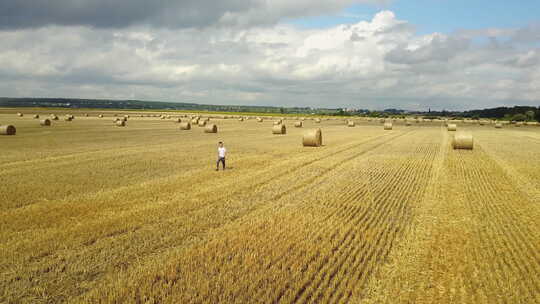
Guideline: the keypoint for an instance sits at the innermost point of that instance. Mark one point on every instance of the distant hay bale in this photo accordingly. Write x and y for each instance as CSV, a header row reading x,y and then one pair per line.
x,y
302,118
68,118
126,116
463,141
259,119
100,115
317,120
298,124
351,123
121,123
202,123
408,123
312,138
452,127
20,114
54,117
211,128
195,121
531,123
278,122
8,130
381,120
241,119
185,126
178,120
45,122
86,115
388,126
498,125
279,129
36,116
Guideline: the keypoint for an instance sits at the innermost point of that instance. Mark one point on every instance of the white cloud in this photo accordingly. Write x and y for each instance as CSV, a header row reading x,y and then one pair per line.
x,y
377,63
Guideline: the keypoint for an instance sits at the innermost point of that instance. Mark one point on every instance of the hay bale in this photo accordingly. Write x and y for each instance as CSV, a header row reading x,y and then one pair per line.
x,y
388,126
45,122
498,125
202,123
195,121
126,117
86,115
54,117
279,129
8,130
298,124
452,127
210,128
178,120
100,115
259,119
278,122
36,116
185,126
519,124
312,138
463,141
240,119
351,123
408,123
68,118
317,120
121,123
20,114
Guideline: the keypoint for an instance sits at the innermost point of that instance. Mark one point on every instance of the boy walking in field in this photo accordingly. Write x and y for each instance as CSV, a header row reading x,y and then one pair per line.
x,y
221,155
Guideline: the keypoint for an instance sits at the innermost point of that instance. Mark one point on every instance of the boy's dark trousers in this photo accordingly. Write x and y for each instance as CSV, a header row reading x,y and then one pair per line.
x,y
221,160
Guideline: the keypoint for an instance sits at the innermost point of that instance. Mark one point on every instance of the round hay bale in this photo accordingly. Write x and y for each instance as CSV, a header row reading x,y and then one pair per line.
x,y
259,119
36,116
278,122
100,115
20,114
195,121
126,116
54,117
519,124
408,123
351,123
185,126
388,126
121,123
86,115
498,125
279,129
68,118
210,128
302,118
452,127
8,130
178,120
202,123
463,141
317,120
312,138
240,119
45,122
298,124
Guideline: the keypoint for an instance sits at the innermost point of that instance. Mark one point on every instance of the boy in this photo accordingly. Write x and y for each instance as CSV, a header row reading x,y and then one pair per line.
x,y
221,155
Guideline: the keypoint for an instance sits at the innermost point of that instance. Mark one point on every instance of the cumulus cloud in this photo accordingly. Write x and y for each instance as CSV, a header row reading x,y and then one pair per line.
x,y
160,13
376,63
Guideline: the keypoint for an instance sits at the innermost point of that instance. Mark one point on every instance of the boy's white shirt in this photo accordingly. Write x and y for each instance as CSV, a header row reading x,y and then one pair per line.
x,y
221,151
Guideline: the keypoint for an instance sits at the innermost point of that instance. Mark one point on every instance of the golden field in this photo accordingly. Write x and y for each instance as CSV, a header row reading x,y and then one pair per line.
x,y
94,213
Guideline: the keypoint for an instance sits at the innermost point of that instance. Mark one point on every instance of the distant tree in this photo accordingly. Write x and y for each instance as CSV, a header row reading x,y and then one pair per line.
x,y
530,115
475,117
282,110
519,117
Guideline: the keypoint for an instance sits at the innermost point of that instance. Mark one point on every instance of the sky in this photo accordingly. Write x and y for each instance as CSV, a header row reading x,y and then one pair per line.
x,y
374,54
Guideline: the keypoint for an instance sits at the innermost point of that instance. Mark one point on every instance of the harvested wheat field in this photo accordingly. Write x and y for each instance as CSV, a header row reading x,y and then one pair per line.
x,y
93,213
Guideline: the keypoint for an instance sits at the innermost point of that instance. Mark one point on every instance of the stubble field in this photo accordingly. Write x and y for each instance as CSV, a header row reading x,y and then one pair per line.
x,y
94,213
